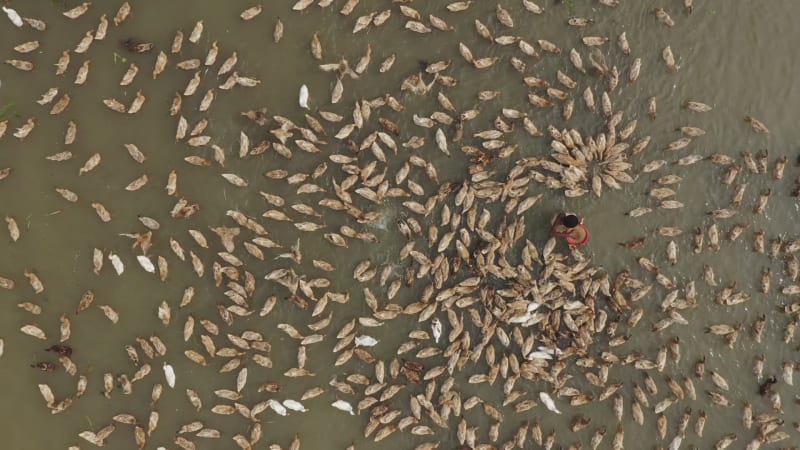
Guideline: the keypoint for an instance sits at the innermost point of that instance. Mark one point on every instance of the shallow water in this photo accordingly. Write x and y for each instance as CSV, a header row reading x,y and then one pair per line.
x,y
736,57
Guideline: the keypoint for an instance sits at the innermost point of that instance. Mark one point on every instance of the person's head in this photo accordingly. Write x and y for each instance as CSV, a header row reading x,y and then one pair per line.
x,y
571,221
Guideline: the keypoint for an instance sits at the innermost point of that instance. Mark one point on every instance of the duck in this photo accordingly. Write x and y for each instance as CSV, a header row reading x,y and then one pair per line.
x,y
13,16
303,98
137,47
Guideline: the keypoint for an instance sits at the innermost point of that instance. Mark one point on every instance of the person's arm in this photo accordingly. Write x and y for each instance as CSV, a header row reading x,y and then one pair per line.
x,y
557,229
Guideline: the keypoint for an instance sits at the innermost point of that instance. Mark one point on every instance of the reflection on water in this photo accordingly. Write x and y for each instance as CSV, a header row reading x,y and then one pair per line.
x,y
441,152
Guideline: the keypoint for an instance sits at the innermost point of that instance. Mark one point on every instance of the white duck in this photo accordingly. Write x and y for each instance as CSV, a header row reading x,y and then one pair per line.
x,y
146,264
303,99
294,405
436,327
343,406
365,341
117,263
13,16
277,407
548,402
169,374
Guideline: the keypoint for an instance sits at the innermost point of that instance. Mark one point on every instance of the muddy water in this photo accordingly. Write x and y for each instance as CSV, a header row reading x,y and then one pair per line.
x,y
736,57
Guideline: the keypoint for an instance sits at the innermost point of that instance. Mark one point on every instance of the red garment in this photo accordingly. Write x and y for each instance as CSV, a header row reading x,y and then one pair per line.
x,y
566,234
581,243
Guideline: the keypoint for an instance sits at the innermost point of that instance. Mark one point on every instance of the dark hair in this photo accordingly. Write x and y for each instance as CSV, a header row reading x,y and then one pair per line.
x,y
571,221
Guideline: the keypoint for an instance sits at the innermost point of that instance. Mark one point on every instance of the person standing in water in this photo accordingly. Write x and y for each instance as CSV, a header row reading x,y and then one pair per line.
x,y
570,227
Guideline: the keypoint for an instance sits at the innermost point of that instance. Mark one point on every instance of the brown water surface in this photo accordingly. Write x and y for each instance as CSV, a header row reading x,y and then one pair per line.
x,y
737,56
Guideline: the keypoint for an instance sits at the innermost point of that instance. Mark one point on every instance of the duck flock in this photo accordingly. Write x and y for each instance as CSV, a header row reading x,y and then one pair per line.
x,y
394,244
